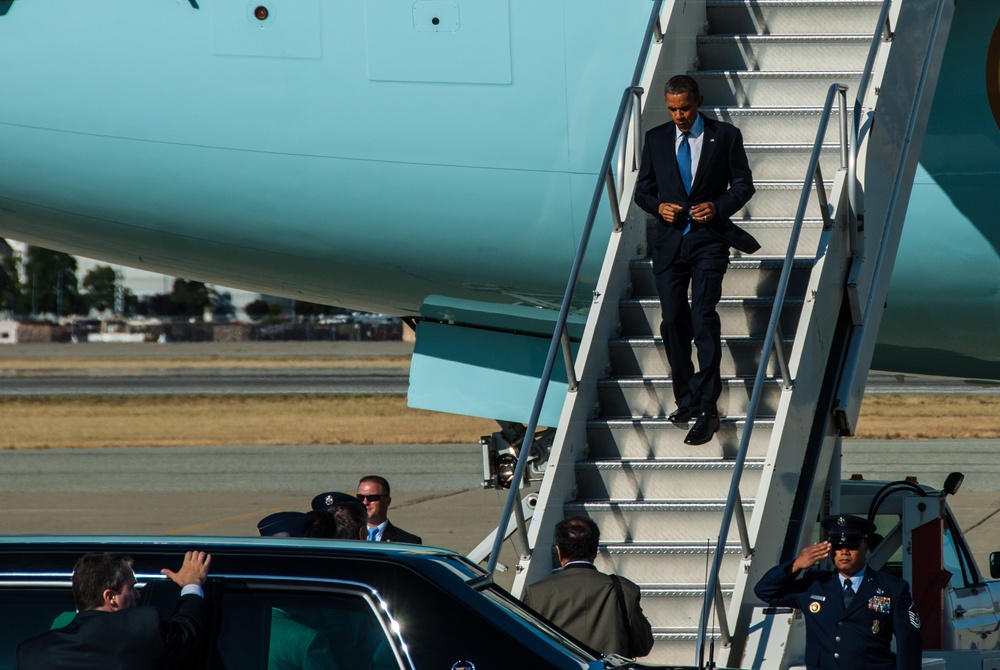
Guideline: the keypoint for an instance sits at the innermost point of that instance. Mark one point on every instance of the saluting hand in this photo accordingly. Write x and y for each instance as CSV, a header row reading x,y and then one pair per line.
x,y
811,555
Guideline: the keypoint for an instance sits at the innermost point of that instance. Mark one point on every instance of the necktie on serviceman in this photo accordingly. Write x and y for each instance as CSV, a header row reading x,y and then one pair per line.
x,y
848,593
373,534
684,166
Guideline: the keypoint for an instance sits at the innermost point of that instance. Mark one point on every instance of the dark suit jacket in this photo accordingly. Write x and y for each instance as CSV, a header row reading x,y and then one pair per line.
x,y
131,639
581,600
393,534
862,633
724,178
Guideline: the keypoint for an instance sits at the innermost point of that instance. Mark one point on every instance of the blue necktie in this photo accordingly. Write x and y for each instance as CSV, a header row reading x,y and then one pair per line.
x,y
373,534
684,166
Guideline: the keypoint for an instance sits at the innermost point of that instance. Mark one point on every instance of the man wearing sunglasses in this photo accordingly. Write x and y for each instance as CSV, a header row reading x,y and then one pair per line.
x,y
853,611
373,493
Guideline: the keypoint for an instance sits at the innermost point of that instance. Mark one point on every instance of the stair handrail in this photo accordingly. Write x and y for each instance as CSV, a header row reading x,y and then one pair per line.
x,y
631,98
883,32
813,176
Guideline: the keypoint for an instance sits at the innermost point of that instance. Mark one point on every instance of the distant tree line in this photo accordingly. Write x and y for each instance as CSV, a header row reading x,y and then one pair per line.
x,y
45,282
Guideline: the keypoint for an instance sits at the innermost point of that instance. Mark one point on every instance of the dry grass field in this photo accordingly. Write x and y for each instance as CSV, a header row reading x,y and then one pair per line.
x,y
40,422
925,416
34,422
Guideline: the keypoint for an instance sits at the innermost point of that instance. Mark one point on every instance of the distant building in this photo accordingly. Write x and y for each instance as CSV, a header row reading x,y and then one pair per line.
x,y
8,332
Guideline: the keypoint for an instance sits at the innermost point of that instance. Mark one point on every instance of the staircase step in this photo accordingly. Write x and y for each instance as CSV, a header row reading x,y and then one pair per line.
x,y
637,357
665,521
773,236
676,606
779,199
676,647
645,480
782,52
632,397
659,438
747,276
765,125
741,317
656,563
783,88
780,17
788,161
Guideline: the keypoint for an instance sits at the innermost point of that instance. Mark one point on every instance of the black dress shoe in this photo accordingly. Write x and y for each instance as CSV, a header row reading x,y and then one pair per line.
x,y
683,414
703,429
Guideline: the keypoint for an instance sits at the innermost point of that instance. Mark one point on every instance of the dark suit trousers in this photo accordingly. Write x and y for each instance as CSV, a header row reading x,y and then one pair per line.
x,y
700,263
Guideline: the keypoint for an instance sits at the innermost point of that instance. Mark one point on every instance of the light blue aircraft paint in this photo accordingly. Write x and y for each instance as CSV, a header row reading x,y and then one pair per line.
x,y
943,311
428,157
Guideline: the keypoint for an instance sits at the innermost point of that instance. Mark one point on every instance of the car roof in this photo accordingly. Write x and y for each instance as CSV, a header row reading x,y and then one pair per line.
x,y
304,557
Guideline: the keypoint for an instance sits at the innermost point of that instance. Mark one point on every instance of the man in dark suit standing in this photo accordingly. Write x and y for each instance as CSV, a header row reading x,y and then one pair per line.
x,y
694,176
587,603
851,612
373,493
109,631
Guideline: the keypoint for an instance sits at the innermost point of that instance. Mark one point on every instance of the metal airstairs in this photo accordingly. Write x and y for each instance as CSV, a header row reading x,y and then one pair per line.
x,y
766,66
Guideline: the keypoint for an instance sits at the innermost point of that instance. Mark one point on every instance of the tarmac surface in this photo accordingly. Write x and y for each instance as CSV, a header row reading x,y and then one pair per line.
x,y
436,488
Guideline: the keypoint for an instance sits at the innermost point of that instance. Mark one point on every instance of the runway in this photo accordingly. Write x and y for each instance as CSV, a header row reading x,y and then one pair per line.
x,y
436,488
212,382
250,381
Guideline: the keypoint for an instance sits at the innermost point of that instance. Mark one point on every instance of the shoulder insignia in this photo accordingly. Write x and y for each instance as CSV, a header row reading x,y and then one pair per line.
x,y
914,617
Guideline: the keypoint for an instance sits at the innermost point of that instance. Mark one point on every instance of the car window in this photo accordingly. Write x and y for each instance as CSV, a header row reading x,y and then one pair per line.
x,y
29,612
289,630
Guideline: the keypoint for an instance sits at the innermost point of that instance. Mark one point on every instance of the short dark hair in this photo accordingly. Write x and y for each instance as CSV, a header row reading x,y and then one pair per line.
x,y
681,84
577,538
375,479
96,572
322,524
350,517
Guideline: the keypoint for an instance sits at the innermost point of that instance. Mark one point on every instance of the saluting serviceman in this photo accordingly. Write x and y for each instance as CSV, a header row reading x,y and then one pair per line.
x,y
851,612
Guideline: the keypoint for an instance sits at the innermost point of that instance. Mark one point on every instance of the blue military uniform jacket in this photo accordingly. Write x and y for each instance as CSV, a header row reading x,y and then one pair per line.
x,y
856,637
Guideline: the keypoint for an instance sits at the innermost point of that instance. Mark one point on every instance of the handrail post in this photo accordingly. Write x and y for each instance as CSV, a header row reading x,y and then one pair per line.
x,y
741,526
720,609
844,137
637,134
622,150
522,527
779,353
616,216
568,359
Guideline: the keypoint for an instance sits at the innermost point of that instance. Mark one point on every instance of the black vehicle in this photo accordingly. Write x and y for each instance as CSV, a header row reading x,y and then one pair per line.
x,y
374,606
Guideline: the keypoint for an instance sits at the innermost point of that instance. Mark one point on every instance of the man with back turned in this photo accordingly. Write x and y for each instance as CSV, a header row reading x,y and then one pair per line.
x,y
694,176
110,630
